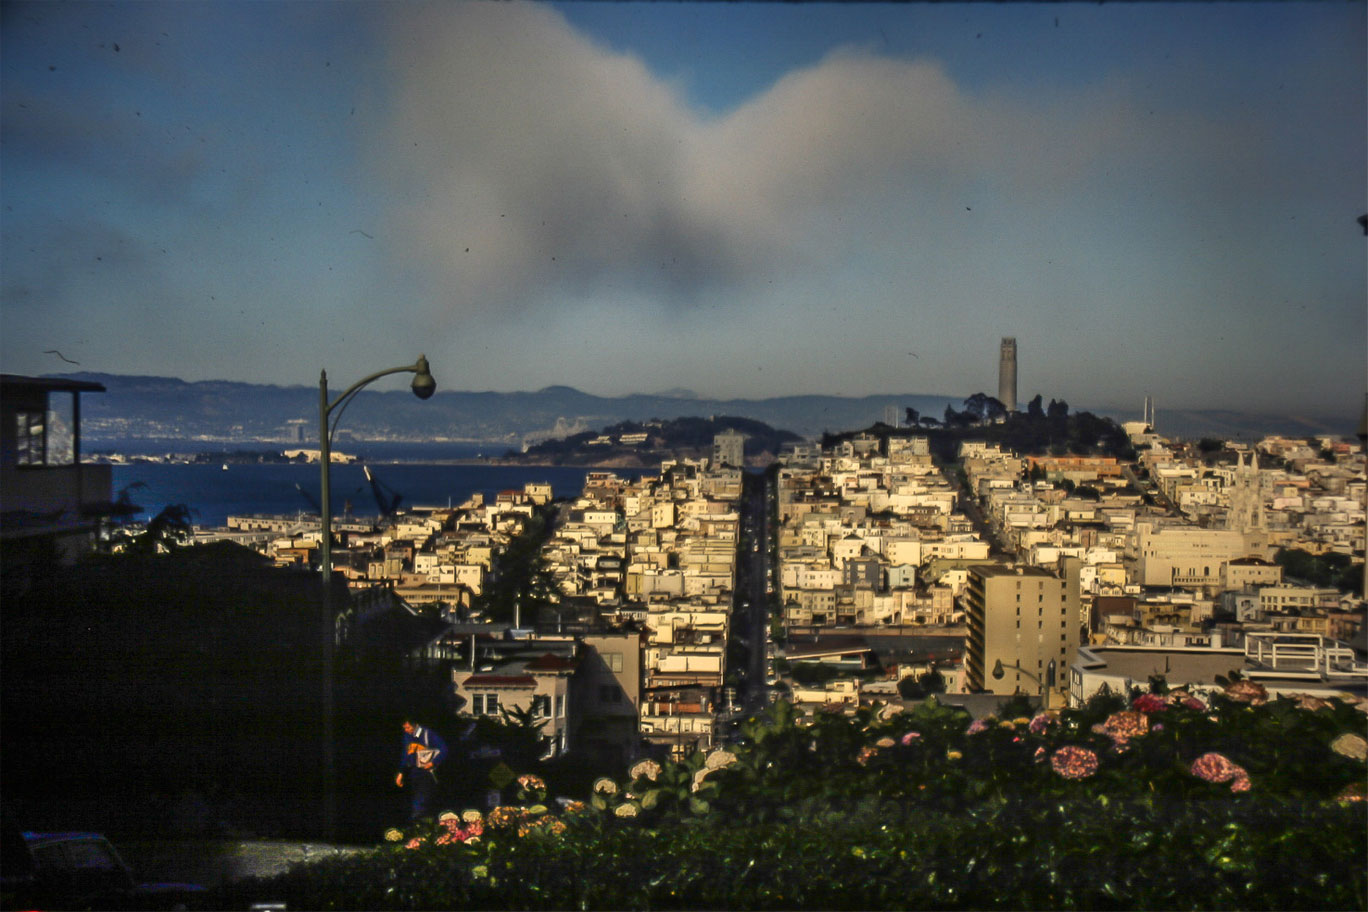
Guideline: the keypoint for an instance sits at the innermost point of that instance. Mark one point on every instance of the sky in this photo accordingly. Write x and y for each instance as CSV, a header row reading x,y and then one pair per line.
x,y
740,200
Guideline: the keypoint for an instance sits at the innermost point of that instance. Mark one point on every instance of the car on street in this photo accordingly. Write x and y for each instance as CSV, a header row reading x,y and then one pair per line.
x,y
79,870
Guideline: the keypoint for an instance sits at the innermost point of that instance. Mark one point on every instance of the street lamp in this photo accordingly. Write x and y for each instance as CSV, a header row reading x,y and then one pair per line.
x,y
998,672
423,387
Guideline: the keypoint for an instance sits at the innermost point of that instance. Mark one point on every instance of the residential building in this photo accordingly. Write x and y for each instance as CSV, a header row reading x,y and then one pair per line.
x,y
51,502
1026,618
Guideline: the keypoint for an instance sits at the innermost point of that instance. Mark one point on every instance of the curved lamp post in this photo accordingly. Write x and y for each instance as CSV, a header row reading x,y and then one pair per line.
x,y
998,672
423,387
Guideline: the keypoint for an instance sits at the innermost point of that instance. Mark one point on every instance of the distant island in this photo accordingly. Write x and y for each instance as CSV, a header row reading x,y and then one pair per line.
x,y
631,444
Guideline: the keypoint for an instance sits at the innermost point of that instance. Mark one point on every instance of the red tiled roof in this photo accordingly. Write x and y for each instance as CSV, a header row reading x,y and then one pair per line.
x,y
496,680
549,662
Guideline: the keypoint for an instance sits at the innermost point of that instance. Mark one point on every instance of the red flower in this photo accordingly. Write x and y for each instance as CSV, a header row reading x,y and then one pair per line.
x,y
1149,703
1214,767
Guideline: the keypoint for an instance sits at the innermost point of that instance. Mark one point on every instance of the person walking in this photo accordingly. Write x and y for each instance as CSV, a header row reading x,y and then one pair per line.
x,y
423,750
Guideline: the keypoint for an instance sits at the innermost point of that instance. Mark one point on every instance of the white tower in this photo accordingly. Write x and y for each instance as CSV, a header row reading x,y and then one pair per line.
x,y
1007,387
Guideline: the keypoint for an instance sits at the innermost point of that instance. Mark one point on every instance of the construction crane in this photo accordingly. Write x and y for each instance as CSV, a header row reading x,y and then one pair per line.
x,y
313,501
386,498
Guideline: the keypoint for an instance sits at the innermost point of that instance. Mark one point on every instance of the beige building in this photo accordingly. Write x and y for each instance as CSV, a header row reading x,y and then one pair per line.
x,y
1023,617
1192,557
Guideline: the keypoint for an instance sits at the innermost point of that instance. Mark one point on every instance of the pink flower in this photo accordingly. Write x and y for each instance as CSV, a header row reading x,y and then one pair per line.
x,y
1149,703
414,843
909,738
1073,762
1040,755
978,725
1214,767
1122,726
1040,724
1247,692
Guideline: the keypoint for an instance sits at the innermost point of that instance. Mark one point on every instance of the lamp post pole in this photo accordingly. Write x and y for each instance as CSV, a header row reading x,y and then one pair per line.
x,y
423,387
998,671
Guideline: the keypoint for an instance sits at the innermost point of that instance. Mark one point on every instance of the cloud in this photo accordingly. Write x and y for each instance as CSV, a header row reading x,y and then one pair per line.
x,y
530,166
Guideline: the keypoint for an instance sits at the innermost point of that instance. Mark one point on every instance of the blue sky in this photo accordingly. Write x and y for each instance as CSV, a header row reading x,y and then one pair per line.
x,y
739,199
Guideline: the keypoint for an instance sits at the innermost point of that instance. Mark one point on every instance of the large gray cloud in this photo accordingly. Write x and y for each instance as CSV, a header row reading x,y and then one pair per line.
x,y
525,159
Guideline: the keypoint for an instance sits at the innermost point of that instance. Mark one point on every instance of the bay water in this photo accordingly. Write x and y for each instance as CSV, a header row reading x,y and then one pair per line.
x,y
213,492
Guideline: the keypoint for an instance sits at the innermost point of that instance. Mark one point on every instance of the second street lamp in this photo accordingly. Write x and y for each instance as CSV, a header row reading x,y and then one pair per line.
x,y
423,387
1048,682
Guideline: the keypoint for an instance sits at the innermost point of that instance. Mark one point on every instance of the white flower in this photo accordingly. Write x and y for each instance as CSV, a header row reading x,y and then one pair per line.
x,y
1350,745
625,810
605,786
720,759
699,777
648,768
472,816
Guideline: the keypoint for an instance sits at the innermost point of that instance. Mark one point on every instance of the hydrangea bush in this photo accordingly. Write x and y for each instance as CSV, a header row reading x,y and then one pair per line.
x,y
1166,801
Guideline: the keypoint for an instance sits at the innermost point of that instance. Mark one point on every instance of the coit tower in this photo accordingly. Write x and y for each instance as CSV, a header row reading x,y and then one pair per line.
x,y
1007,374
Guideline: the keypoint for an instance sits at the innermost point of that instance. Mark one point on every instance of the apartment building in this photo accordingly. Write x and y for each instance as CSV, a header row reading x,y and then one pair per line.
x,y
1025,618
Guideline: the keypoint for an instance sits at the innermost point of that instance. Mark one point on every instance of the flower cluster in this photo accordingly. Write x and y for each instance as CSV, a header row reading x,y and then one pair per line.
x,y
720,759
1122,726
605,786
647,769
866,754
1074,762
1041,723
1350,745
454,832
1149,703
908,738
1183,698
1214,767
1353,793
1249,692
532,783
548,824
1310,703
505,816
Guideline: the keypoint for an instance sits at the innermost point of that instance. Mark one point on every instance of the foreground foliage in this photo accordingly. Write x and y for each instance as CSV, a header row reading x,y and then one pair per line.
x,y
1165,803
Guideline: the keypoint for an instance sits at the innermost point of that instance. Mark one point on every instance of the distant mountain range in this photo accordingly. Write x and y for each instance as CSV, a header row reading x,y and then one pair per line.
x,y
139,408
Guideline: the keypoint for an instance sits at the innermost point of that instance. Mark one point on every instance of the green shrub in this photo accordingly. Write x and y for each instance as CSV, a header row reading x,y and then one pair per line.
x,y
1170,803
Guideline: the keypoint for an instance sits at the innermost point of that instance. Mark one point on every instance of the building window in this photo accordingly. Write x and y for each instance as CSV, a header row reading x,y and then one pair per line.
x,y
484,704
28,438
614,660
541,705
560,707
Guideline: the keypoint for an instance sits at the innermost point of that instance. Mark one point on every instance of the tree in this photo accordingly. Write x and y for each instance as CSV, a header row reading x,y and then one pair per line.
x,y
1058,410
1034,411
976,406
993,409
165,531
912,416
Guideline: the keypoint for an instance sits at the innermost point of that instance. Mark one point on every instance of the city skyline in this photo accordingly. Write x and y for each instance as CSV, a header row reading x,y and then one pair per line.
x,y
742,200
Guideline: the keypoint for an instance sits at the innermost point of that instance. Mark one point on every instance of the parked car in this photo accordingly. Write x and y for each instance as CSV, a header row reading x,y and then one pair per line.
x,y
79,871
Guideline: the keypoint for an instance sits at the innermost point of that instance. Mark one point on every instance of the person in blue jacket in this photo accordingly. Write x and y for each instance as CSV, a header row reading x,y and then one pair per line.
x,y
423,751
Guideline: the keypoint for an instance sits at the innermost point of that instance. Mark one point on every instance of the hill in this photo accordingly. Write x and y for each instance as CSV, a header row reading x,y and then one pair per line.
x,y
147,407
634,443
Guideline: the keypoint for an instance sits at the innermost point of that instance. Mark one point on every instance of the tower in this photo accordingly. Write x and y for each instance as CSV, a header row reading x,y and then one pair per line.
x,y
1007,374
